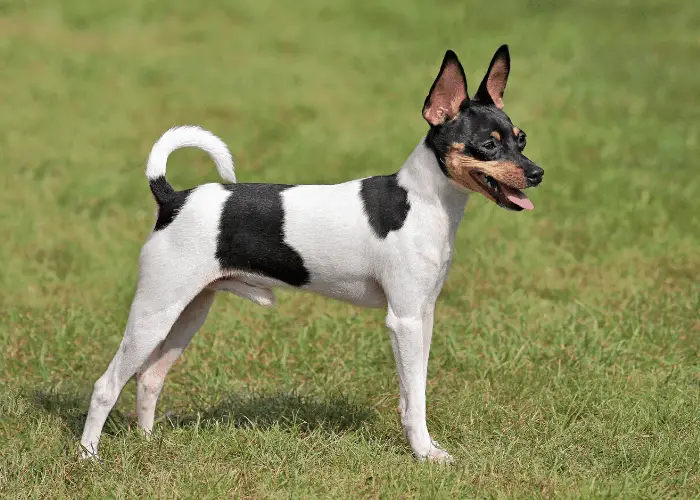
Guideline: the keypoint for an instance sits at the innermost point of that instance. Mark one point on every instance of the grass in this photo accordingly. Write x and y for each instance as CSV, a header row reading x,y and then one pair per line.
x,y
565,359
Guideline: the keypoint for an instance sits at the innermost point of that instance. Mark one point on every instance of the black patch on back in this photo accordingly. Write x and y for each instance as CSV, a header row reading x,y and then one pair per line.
x,y
168,206
251,234
385,203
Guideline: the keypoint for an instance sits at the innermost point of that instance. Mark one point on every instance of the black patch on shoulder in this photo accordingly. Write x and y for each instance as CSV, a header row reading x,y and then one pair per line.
x,y
251,234
168,206
385,203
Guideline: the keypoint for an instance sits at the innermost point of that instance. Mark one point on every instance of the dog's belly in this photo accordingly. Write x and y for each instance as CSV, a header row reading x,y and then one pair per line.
x,y
365,293
360,291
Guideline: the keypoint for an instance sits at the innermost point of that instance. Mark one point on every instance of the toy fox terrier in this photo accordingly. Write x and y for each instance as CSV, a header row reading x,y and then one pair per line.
x,y
384,241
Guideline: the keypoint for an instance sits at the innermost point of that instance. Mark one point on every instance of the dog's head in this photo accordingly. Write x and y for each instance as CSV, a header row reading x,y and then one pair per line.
x,y
477,146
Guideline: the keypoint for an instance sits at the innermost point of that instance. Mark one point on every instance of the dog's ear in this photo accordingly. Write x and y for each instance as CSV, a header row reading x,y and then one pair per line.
x,y
448,92
494,83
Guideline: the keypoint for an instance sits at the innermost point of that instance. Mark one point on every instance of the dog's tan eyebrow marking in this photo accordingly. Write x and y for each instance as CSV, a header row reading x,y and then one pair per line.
x,y
516,131
496,135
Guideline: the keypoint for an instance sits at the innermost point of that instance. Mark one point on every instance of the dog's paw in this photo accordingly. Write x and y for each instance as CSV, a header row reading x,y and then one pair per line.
x,y
437,455
88,455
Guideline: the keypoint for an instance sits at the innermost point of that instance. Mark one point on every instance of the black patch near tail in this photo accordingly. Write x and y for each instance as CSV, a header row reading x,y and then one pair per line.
x,y
169,201
251,234
169,210
385,202
162,191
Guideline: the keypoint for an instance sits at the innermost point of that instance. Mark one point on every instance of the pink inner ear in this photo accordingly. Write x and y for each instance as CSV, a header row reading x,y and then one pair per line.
x,y
496,82
448,94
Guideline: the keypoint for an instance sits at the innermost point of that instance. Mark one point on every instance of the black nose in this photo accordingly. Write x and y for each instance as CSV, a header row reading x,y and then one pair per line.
x,y
534,175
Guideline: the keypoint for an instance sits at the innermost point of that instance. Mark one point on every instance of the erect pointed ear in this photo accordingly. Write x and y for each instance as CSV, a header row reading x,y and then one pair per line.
x,y
494,83
448,92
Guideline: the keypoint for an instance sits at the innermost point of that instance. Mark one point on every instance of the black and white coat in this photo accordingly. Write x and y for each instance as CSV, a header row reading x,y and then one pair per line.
x,y
383,241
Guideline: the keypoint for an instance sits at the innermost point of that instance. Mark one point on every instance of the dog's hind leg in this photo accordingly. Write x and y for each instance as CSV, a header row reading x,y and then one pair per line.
x,y
160,298
151,376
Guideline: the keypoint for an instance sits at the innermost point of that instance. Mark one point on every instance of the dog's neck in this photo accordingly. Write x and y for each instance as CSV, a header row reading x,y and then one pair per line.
x,y
421,175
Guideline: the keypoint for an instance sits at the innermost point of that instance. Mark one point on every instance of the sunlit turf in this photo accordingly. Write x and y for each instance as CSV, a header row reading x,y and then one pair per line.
x,y
566,352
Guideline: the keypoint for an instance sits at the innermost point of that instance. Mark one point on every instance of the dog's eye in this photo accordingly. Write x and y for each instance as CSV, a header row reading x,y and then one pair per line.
x,y
522,140
489,145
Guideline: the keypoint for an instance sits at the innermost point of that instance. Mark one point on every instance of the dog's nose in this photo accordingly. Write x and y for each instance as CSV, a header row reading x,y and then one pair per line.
x,y
534,175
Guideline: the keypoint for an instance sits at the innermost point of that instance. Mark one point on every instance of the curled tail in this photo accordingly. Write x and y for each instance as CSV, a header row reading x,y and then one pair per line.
x,y
185,137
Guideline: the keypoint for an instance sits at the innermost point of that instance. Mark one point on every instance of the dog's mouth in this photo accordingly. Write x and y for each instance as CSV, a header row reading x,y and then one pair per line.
x,y
505,196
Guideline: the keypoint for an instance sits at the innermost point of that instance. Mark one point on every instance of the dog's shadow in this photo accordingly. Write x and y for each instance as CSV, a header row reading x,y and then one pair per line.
x,y
243,410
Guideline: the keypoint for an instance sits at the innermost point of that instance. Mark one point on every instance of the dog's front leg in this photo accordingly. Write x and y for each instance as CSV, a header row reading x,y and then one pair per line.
x,y
407,331
428,318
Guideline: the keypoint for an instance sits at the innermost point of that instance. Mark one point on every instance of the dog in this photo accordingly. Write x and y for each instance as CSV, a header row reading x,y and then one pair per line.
x,y
384,241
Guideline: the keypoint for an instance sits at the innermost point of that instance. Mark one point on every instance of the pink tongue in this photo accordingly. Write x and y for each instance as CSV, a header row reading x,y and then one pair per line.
x,y
518,197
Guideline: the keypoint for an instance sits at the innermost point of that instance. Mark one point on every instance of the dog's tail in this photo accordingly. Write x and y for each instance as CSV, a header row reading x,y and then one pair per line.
x,y
185,137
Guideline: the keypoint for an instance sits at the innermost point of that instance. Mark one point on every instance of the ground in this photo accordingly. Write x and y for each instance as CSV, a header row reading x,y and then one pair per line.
x,y
565,359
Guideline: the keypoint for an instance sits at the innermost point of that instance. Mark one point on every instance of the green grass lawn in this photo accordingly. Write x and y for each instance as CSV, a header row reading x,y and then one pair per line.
x,y
566,353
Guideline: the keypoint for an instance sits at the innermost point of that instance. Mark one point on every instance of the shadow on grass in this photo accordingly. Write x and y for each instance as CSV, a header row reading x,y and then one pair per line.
x,y
244,410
